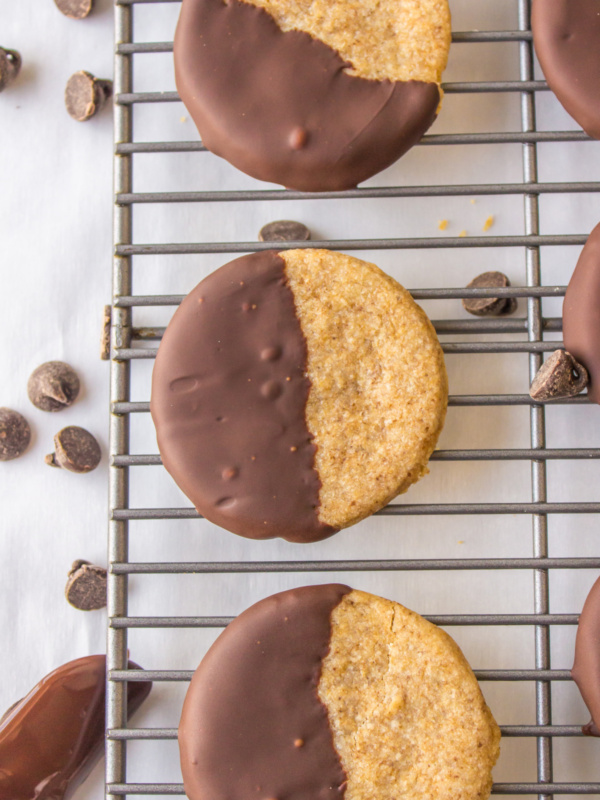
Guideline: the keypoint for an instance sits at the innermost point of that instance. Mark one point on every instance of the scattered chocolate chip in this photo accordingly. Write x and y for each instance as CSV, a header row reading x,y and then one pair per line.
x,y
105,338
284,230
85,95
489,306
76,450
53,386
559,376
74,9
10,64
86,586
15,434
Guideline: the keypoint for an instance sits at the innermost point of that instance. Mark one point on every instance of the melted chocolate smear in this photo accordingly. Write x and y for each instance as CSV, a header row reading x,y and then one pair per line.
x,y
566,35
281,107
229,393
51,740
581,311
254,698
586,669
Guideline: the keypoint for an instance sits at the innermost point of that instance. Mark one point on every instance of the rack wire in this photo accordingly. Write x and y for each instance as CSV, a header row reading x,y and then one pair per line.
x,y
130,344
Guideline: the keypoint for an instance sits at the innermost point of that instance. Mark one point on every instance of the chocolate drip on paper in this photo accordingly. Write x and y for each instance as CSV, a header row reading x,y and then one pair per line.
x,y
229,393
51,740
253,727
586,669
581,311
281,107
566,35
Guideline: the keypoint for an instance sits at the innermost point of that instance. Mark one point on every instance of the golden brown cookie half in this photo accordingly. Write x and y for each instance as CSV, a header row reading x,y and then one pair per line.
x,y
313,94
327,692
296,393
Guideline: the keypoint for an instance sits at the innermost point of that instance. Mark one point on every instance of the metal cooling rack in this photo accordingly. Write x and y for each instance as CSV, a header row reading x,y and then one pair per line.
x,y
125,349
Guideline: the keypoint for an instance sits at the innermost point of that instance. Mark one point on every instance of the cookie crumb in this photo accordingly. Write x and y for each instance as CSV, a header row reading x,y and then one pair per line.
x,y
443,224
488,223
86,586
462,234
182,119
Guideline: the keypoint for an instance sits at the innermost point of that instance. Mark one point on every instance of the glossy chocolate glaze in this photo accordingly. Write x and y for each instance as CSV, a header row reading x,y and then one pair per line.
x,y
586,669
253,727
229,394
566,35
581,311
280,105
51,740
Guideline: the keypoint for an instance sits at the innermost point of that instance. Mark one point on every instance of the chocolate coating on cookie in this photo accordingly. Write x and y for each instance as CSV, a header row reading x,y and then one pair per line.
x,y
566,35
253,700
586,669
282,107
50,740
581,311
229,394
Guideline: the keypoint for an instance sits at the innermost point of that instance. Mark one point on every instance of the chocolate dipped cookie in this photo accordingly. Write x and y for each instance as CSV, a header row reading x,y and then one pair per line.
x,y
52,738
316,96
327,692
566,36
295,393
581,312
586,667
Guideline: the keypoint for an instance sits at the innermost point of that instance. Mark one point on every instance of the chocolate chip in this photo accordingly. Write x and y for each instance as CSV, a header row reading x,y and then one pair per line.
x,y
559,376
76,450
15,434
74,9
86,586
85,95
10,64
284,230
489,306
53,386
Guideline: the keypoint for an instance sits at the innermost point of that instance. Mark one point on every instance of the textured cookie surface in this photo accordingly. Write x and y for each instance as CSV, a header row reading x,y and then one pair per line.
x,y
406,711
295,393
566,35
325,692
313,95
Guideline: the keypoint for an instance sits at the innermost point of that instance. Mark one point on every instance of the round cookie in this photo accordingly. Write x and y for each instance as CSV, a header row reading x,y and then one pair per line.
x,y
566,36
316,95
586,667
581,312
295,393
327,692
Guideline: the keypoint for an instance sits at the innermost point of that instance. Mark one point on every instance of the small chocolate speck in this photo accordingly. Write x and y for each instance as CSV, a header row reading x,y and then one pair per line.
x,y
559,376
76,450
15,434
284,230
298,138
489,306
53,386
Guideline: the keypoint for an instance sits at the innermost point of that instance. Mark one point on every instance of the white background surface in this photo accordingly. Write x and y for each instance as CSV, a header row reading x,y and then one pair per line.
x,y
55,256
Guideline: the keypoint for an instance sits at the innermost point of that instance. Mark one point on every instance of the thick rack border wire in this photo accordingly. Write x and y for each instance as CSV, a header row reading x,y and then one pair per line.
x,y
534,326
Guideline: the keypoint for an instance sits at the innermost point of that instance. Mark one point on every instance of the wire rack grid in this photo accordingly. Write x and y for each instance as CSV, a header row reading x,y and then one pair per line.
x,y
526,337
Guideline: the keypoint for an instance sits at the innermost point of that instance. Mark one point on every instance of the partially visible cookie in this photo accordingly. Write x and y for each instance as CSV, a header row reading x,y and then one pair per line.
x,y
326,692
586,668
581,312
316,95
296,393
566,35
